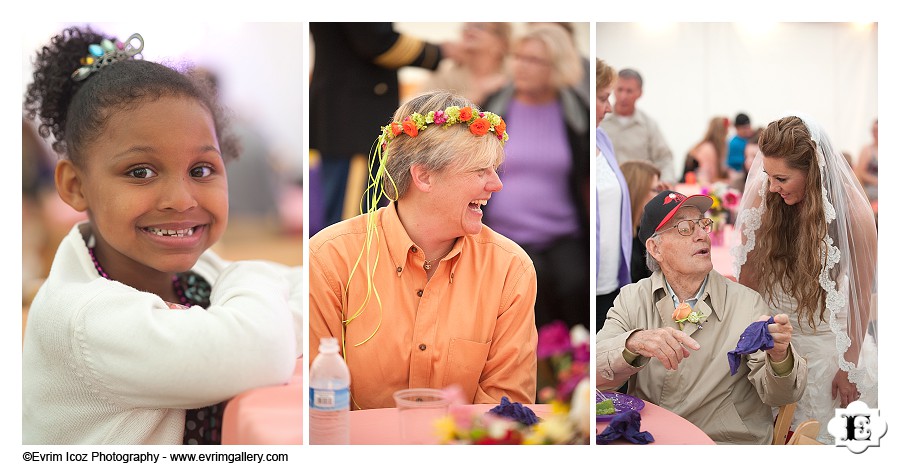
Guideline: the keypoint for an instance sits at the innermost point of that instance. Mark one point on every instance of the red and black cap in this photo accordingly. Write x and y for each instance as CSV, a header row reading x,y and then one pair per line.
x,y
663,206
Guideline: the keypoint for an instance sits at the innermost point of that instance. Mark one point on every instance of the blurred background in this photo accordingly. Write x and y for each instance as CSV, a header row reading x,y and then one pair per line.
x,y
257,68
693,72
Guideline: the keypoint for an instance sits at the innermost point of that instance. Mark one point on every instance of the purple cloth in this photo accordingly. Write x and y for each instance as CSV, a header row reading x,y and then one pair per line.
x,y
515,411
755,337
606,149
535,207
625,425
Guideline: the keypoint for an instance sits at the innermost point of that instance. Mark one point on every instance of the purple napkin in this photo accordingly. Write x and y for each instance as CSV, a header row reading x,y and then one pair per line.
x,y
755,337
514,411
625,425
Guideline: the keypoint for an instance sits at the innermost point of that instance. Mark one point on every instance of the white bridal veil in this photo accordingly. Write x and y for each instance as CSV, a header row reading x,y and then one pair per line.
x,y
849,277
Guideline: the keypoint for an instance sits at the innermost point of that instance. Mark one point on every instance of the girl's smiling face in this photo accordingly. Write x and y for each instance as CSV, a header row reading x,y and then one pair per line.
x,y
154,186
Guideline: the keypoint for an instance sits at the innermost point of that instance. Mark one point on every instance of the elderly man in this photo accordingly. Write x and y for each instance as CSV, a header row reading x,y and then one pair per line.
x,y
684,367
634,134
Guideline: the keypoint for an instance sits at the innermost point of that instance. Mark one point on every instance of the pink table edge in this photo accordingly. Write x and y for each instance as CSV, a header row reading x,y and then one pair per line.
x,y
270,415
666,427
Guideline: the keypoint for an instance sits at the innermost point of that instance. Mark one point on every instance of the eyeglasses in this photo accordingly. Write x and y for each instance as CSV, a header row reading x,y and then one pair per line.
x,y
686,226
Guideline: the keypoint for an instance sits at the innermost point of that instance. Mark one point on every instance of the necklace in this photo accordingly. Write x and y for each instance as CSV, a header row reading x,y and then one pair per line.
x,y
428,262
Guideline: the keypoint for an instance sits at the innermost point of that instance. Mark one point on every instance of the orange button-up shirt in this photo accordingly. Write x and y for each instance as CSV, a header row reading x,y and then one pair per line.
x,y
471,325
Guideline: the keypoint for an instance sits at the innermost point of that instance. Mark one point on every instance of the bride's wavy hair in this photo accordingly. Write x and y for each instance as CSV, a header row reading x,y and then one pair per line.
x,y
791,238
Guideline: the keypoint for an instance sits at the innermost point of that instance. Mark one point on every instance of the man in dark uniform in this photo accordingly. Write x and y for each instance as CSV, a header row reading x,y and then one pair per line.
x,y
353,92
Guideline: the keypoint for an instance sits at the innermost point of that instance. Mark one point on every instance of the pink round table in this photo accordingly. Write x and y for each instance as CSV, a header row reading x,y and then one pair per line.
x,y
382,426
666,427
268,415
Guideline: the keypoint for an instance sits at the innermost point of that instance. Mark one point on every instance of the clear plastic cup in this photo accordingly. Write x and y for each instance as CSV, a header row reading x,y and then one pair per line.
x,y
419,408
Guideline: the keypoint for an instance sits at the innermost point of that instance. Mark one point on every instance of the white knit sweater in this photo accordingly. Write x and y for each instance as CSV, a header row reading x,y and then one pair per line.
x,y
104,363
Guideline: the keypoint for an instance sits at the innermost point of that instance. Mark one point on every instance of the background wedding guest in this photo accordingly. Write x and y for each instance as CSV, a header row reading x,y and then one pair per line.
x,y
634,134
613,207
544,205
480,70
738,142
707,158
643,184
867,165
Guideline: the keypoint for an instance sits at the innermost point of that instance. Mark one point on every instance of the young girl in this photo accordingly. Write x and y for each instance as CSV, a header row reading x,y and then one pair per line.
x,y
140,333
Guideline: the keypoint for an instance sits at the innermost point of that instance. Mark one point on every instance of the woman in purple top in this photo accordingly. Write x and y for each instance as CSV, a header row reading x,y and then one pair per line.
x,y
544,203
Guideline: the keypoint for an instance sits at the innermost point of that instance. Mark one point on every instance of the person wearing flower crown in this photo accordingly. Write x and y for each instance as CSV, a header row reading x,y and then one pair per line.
x,y
808,245
669,335
420,292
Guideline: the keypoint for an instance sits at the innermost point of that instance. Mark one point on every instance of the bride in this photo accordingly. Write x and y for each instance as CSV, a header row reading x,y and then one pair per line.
x,y
808,245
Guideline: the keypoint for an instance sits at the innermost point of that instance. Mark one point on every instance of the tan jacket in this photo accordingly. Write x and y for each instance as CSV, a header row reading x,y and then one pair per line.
x,y
730,409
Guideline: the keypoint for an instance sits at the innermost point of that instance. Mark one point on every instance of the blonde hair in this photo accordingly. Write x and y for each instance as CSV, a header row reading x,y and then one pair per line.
x,y
639,177
606,75
567,69
436,148
791,238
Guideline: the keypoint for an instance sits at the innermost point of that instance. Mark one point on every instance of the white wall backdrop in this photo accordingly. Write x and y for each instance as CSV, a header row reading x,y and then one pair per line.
x,y
695,71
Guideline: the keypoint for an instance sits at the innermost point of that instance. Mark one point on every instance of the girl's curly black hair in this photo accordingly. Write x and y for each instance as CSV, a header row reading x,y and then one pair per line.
x,y
75,112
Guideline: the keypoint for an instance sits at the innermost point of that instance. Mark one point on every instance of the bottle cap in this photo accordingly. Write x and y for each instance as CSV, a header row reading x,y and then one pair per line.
x,y
328,344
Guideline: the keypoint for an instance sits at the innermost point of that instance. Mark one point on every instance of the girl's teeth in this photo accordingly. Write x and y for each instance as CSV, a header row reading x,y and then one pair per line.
x,y
171,233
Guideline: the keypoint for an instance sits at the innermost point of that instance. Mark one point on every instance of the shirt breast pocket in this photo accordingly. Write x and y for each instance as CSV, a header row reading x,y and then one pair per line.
x,y
465,363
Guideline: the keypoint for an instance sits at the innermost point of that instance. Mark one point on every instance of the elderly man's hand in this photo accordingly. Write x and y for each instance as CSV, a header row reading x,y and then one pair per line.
x,y
669,345
781,333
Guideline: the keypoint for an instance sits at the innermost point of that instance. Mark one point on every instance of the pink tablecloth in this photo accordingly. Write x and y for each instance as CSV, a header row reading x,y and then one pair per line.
x,y
666,427
722,262
382,426
269,415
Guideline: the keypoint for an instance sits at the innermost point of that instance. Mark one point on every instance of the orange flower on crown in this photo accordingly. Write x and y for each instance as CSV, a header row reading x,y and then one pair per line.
x,y
500,128
465,114
410,128
480,126
396,129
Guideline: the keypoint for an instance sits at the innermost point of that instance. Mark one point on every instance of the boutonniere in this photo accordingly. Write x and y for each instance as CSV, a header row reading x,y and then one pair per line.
x,y
683,312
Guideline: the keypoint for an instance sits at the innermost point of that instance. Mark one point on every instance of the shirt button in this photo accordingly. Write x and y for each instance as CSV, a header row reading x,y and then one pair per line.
x,y
422,347
415,250
399,269
419,293
380,89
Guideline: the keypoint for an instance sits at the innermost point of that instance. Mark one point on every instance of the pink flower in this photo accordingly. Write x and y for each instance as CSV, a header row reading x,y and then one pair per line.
x,y
553,339
440,118
581,353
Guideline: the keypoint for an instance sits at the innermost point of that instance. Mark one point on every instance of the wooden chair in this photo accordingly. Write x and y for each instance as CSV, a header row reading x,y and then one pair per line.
x,y
805,433
783,423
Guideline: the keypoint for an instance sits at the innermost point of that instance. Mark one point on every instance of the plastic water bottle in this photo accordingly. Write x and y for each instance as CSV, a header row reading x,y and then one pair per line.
x,y
329,396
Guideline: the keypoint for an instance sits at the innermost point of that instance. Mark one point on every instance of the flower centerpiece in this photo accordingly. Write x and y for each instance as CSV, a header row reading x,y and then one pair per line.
x,y
723,210
563,383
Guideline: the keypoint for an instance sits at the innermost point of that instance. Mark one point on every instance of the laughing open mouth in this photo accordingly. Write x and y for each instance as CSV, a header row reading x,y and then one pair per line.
x,y
477,204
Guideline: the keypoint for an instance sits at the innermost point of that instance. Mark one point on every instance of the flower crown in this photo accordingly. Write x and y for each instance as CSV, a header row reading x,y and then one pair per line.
x,y
479,124
105,53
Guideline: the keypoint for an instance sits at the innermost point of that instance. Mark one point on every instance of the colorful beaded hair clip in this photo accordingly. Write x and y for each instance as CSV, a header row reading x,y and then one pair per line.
x,y
105,53
479,124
